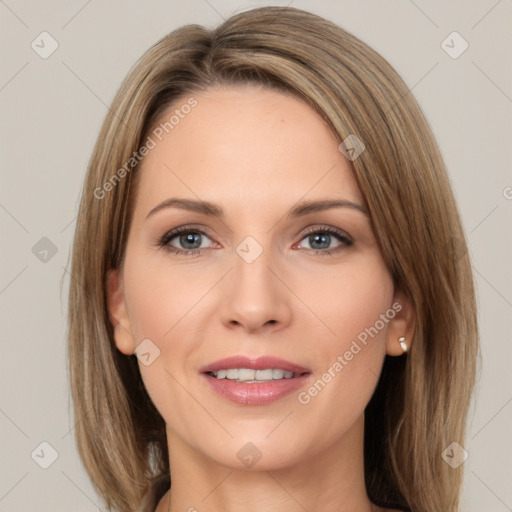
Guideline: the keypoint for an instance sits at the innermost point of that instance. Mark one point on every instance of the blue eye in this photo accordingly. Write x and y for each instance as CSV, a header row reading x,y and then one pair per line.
x,y
322,236
191,240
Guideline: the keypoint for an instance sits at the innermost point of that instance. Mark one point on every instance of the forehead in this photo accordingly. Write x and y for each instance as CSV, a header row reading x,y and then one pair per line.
x,y
242,146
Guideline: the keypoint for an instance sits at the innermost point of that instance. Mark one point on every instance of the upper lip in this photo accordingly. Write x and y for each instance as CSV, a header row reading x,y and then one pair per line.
x,y
253,363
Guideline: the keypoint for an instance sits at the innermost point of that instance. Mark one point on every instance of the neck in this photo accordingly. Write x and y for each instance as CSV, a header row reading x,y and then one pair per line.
x,y
332,480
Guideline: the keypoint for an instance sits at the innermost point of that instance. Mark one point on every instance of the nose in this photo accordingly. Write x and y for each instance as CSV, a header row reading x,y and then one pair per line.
x,y
254,296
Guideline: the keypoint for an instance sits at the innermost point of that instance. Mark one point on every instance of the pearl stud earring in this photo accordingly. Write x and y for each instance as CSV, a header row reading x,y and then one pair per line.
x,y
401,340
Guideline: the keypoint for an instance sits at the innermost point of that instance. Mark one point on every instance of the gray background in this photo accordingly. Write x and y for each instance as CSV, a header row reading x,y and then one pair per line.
x,y
51,112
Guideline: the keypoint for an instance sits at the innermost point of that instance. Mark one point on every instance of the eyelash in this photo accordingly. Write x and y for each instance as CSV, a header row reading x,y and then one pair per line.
x,y
340,235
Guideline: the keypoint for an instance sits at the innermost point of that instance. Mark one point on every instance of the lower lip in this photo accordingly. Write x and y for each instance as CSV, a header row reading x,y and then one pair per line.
x,y
255,393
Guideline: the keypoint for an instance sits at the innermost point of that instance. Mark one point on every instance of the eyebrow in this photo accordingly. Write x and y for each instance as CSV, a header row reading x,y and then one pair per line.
x,y
213,210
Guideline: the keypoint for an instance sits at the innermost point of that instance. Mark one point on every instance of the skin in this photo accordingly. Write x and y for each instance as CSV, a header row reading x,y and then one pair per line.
x,y
256,152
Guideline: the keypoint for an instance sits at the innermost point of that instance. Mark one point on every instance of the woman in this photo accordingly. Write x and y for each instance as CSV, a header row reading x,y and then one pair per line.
x,y
272,304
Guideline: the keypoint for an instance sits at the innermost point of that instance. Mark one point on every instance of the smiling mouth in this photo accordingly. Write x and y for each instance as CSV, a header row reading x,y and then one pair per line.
x,y
251,376
250,380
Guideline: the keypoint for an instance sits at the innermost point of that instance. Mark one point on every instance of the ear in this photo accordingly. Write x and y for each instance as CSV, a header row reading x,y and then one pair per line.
x,y
403,325
118,314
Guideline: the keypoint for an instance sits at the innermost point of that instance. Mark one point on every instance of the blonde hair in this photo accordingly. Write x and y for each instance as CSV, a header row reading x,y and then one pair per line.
x,y
422,399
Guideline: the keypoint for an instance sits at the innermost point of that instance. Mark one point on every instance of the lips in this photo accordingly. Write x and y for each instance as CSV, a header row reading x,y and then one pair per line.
x,y
255,392
259,363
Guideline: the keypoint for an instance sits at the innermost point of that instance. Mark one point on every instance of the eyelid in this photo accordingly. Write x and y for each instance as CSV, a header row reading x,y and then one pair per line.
x,y
172,233
313,228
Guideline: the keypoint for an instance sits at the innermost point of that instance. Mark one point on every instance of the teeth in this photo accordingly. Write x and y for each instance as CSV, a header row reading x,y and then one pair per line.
x,y
248,375
264,374
232,374
277,374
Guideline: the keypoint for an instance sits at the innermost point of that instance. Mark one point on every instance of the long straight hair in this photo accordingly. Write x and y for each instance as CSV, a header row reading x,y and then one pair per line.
x,y
422,399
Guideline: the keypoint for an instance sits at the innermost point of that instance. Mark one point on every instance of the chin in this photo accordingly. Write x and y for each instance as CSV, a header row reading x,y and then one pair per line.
x,y
257,453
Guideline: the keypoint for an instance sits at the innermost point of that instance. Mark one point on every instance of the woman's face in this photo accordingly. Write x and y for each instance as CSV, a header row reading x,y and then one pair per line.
x,y
269,277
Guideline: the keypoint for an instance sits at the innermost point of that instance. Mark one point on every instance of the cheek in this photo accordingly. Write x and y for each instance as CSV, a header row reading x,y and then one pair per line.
x,y
356,306
162,304
350,300
159,298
